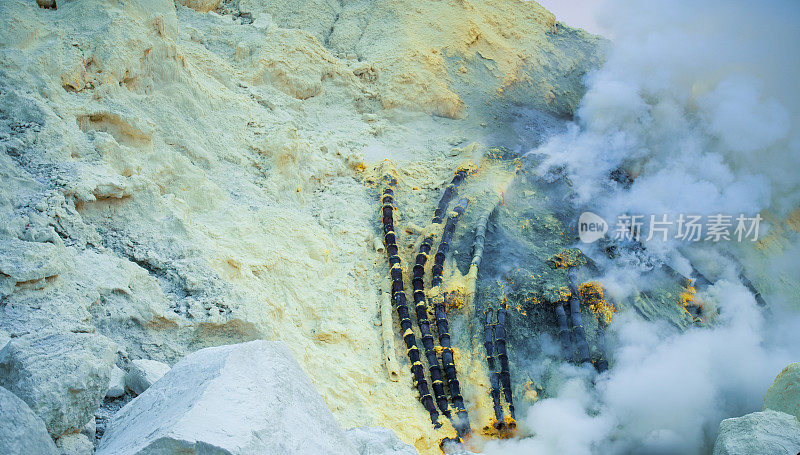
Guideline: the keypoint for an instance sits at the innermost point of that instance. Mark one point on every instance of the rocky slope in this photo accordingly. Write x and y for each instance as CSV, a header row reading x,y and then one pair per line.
x,y
173,179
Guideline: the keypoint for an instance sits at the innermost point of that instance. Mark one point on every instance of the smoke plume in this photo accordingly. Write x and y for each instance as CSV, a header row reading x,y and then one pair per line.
x,y
698,104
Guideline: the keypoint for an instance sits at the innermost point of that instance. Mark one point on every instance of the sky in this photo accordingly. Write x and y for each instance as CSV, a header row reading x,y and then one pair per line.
x,y
576,13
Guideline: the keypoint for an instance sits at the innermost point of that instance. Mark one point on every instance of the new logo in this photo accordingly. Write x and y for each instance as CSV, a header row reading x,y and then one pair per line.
x,y
591,227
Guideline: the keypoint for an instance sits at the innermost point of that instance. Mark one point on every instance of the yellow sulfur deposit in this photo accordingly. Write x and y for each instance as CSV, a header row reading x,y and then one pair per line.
x,y
592,295
500,429
563,294
687,297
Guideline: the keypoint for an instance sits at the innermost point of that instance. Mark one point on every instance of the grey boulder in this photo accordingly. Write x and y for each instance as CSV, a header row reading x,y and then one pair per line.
x,y
21,431
238,399
62,376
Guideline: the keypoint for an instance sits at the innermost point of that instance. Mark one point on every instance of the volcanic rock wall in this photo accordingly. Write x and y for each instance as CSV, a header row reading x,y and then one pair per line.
x,y
172,179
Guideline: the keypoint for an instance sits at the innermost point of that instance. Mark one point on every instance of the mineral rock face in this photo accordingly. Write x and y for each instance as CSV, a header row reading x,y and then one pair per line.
x,y
447,50
784,393
172,179
764,432
22,262
61,375
239,399
22,432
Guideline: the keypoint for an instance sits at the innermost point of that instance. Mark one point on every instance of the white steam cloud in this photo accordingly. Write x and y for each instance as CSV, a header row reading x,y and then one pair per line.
x,y
668,390
699,102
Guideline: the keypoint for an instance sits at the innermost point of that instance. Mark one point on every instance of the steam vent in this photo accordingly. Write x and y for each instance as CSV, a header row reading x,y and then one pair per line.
x,y
391,227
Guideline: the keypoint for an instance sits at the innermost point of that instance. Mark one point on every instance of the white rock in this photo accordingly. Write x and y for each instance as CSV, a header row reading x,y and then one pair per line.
x,y
378,441
767,432
75,444
238,399
116,383
61,375
21,431
143,373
